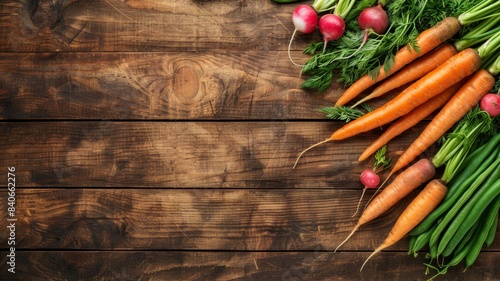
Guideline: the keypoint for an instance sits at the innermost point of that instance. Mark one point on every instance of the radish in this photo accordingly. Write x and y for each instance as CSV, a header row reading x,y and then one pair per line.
x,y
370,178
331,26
491,104
373,18
305,20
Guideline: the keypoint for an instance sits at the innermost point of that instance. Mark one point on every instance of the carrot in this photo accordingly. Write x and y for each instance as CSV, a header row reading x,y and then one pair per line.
x,y
447,74
409,120
423,204
413,71
426,41
466,97
435,82
411,178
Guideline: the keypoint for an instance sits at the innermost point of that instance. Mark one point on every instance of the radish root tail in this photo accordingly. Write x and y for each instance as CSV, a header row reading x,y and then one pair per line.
x,y
378,189
359,202
348,236
312,146
290,46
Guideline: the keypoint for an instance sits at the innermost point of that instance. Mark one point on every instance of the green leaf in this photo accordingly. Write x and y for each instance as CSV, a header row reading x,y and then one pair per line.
x,y
381,160
343,113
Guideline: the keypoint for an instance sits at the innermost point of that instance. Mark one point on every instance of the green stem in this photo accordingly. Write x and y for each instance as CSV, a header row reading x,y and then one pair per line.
x,y
451,167
323,5
478,34
343,8
316,4
383,2
474,127
489,47
485,9
494,68
452,145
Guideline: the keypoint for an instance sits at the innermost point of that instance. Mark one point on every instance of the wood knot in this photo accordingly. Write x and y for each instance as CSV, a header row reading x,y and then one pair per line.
x,y
186,82
45,13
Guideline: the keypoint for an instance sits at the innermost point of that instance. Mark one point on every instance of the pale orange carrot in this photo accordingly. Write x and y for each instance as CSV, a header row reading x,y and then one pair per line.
x,y
426,41
411,178
449,73
466,97
409,120
423,204
413,71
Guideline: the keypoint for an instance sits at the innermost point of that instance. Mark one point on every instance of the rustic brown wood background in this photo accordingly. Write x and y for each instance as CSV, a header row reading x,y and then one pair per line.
x,y
154,140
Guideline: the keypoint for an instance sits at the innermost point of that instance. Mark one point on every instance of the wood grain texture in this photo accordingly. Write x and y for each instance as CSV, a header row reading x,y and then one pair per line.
x,y
232,85
145,26
192,219
154,140
185,154
196,219
195,265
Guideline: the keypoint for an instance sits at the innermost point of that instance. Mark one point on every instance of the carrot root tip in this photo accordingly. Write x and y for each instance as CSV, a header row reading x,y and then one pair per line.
x,y
370,256
305,150
348,236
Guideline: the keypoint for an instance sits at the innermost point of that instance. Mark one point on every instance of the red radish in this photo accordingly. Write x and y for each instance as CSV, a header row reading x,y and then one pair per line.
x,y
372,19
305,20
331,27
491,104
370,178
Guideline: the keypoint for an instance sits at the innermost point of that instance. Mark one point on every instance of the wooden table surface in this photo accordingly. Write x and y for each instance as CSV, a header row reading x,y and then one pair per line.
x,y
154,140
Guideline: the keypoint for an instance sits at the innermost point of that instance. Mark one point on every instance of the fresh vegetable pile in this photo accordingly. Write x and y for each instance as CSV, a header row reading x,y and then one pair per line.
x,y
468,216
446,57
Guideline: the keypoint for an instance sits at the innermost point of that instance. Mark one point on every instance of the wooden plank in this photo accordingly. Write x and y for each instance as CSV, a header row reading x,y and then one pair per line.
x,y
230,85
196,219
188,219
186,154
146,26
315,265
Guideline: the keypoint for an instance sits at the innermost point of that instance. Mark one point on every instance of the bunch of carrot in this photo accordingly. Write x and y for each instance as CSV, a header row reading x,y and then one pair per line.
x,y
457,81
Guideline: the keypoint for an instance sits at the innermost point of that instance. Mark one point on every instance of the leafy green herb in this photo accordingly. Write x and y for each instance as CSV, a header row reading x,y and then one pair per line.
x,y
344,113
381,160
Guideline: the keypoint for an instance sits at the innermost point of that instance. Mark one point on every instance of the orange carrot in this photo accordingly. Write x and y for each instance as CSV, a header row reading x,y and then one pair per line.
x,y
413,71
466,97
411,178
423,204
435,82
449,73
409,120
426,41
